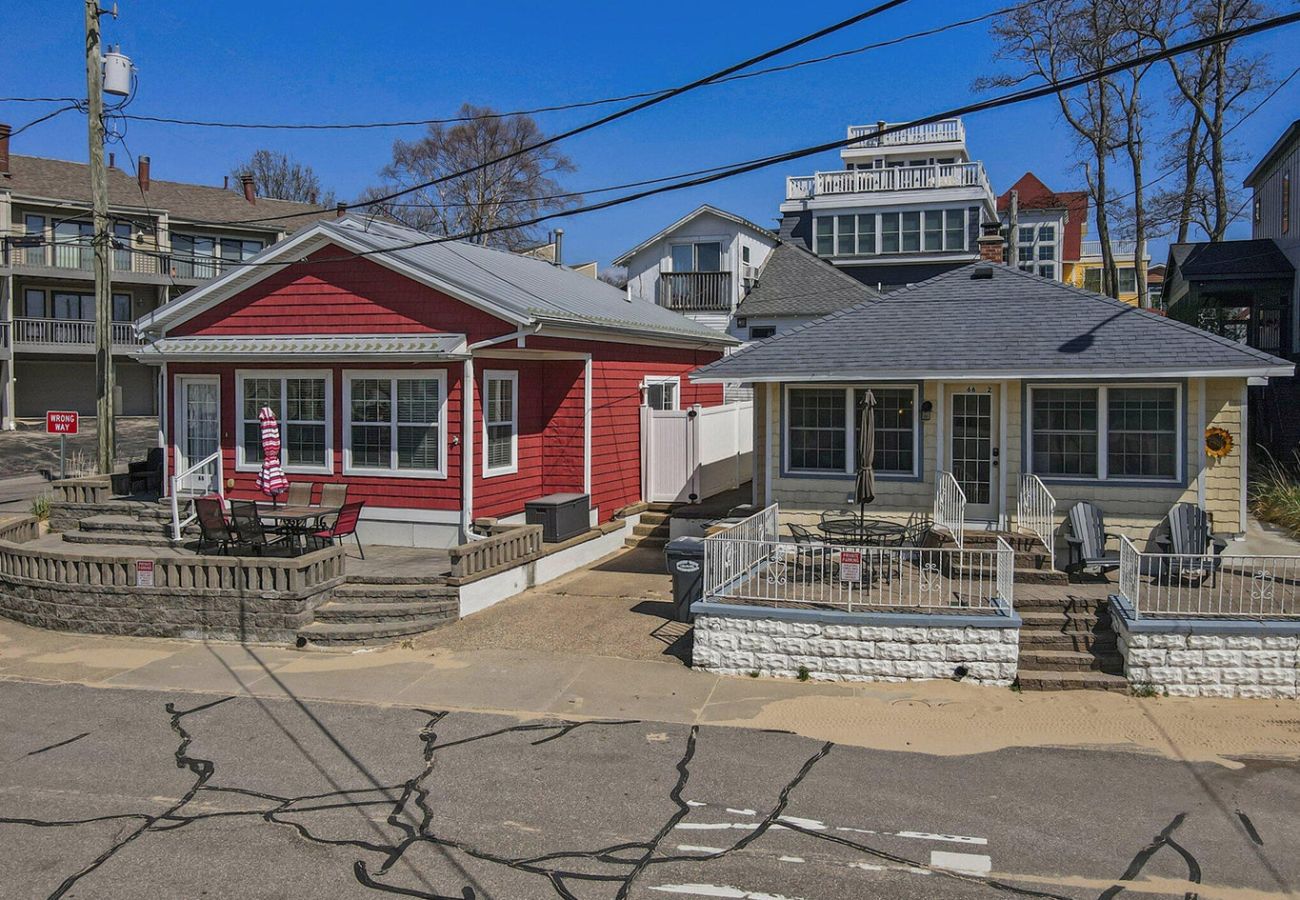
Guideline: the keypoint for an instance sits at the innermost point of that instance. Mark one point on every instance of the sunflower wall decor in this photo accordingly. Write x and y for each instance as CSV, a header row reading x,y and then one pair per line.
x,y
1218,442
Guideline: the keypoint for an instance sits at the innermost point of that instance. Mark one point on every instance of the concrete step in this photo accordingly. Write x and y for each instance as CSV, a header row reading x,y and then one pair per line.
x,y
644,530
359,634
653,542
1103,643
1020,575
353,592
348,613
1040,680
122,524
1070,661
359,578
112,538
655,518
1065,620
1027,602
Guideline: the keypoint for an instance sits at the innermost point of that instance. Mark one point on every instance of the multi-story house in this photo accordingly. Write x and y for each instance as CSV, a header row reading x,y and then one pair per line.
x,y
1087,271
1044,228
907,205
168,237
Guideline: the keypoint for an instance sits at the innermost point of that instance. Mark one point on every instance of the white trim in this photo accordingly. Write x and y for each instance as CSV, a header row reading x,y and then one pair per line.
x,y
1200,441
512,377
968,375
393,376
940,432
1004,516
467,448
1103,430
642,337
164,389
850,428
694,214
674,380
771,403
325,375
586,426
1245,447
181,423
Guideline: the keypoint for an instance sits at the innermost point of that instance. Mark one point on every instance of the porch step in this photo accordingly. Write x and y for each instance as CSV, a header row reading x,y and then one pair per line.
x,y
1070,661
351,592
650,517
359,578
122,524
1021,575
1039,680
388,613
1063,605
1083,642
1065,622
651,541
661,529
115,538
360,634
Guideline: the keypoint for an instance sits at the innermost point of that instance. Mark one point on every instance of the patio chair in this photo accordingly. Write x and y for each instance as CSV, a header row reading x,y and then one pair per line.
x,y
252,533
1086,539
213,528
333,494
299,494
1197,551
145,476
344,525
806,559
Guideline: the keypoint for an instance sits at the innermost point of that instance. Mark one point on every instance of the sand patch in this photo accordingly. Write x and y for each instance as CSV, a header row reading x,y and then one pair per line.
x,y
103,657
949,719
341,662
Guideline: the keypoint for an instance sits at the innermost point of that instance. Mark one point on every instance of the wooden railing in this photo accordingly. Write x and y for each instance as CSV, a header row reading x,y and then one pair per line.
x,y
942,132
59,332
903,178
512,546
695,290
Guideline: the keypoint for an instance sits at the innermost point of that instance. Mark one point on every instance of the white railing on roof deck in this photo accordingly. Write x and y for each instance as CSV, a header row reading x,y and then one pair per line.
x,y
179,484
901,178
942,132
1196,585
1036,513
859,578
950,506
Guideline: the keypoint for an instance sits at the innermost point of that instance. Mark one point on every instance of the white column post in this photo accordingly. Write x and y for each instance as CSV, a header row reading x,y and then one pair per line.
x,y
1196,452
586,426
940,416
1004,516
1245,450
467,449
771,422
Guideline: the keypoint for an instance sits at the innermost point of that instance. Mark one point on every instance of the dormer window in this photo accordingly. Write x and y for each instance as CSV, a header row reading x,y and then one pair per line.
x,y
705,256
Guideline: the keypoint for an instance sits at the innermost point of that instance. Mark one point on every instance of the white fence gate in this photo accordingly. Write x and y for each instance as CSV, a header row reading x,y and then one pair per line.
x,y
690,454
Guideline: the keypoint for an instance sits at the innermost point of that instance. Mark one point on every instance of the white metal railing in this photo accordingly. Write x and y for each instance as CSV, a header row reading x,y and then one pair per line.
x,y
950,506
942,132
59,332
1036,513
723,562
859,579
901,178
1208,585
1120,249
179,484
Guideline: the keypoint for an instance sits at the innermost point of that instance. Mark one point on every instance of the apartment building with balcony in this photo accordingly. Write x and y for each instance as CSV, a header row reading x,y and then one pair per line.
x,y
166,240
906,206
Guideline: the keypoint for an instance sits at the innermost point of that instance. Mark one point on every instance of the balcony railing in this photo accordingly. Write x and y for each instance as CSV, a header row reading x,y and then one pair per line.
x,y
62,332
902,178
1120,249
687,291
81,257
946,131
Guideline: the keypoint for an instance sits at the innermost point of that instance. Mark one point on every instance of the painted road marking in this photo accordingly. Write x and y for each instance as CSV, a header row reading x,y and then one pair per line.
x,y
691,848
967,863
718,890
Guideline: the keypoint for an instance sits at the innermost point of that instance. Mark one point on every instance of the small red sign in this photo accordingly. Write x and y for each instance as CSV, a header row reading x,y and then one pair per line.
x,y
144,573
61,422
851,565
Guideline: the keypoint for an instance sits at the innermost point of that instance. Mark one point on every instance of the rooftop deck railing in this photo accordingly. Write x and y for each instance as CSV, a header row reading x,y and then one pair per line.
x,y
941,132
901,178
1208,586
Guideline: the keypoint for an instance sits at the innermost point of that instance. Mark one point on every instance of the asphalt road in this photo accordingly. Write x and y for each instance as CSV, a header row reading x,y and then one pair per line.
x,y
129,794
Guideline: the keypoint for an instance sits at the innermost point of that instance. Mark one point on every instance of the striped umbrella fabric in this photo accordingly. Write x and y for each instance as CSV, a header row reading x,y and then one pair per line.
x,y
271,479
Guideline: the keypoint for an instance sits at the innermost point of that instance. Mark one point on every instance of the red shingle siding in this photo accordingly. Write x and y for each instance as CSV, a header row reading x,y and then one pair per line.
x,y
353,297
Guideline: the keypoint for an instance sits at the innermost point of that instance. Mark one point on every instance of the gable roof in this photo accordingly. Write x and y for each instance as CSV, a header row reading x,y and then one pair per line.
x,y
518,289
794,282
1034,194
56,179
1280,146
1010,324
1256,258
702,209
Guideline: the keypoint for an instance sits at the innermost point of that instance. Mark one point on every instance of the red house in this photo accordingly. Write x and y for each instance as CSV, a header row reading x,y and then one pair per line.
x,y
371,343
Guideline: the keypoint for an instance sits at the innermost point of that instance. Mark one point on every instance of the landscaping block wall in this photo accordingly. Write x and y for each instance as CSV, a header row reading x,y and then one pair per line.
x,y
1206,664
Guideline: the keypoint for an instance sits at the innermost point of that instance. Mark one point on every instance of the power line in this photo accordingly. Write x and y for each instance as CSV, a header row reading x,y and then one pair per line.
x,y
45,118
579,104
42,100
626,111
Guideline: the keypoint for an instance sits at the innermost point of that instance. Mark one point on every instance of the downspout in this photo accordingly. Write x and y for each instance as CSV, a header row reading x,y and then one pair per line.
x,y
467,425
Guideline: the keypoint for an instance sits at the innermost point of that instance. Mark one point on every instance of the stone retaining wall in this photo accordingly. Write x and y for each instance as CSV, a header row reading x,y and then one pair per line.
x,y
1207,657
734,640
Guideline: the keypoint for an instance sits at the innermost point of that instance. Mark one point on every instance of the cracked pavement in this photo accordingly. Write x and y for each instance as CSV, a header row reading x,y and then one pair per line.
x,y
110,793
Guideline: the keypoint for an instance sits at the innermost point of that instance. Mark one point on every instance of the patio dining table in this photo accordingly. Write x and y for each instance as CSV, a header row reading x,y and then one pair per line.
x,y
868,532
296,522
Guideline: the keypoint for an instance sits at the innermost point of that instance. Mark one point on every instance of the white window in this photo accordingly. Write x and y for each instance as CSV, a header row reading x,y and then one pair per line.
x,y
500,423
1107,432
395,424
821,425
1038,250
303,405
662,391
705,256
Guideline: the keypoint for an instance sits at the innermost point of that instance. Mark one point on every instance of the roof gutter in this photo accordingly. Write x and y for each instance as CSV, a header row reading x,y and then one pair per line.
x,y
707,377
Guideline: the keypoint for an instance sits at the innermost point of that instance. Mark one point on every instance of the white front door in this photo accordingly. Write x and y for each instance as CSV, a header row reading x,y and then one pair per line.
x,y
198,431
974,450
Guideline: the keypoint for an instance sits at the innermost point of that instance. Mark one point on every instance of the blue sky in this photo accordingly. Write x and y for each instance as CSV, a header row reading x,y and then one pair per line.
x,y
334,61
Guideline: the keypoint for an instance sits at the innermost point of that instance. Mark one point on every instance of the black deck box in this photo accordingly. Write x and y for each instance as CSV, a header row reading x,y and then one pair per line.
x,y
561,516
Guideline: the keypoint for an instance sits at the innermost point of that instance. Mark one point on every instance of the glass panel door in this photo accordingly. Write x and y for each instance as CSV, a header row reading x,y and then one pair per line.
x,y
974,454
199,432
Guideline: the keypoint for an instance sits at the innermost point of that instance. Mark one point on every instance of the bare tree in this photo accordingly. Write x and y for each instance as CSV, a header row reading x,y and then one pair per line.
x,y
615,276
276,174
499,196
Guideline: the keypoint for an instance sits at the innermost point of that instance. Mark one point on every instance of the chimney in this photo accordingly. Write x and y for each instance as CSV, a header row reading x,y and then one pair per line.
x,y
559,246
142,172
112,160
250,193
4,149
340,211
225,182
992,248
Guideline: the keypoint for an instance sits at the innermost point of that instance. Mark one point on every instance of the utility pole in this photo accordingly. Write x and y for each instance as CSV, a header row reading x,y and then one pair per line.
x,y
105,423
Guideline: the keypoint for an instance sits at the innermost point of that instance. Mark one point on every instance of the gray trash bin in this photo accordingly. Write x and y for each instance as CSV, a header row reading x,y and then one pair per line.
x,y
685,557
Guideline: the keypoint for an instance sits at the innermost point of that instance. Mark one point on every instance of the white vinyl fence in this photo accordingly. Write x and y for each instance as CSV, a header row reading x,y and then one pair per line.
x,y
690,454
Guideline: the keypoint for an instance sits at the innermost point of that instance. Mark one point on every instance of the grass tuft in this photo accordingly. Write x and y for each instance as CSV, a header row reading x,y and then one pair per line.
x,y
1275,492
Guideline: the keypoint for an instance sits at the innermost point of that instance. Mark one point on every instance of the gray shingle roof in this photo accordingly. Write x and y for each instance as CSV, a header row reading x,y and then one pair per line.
x,y
1226,259
1010,324
794,282
57,179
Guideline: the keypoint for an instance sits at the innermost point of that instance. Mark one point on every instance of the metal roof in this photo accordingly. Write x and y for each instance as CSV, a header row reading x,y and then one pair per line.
x,y
991,321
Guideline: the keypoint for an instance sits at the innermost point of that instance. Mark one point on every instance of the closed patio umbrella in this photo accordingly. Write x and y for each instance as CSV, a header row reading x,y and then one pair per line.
x,y
864,487
271,479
